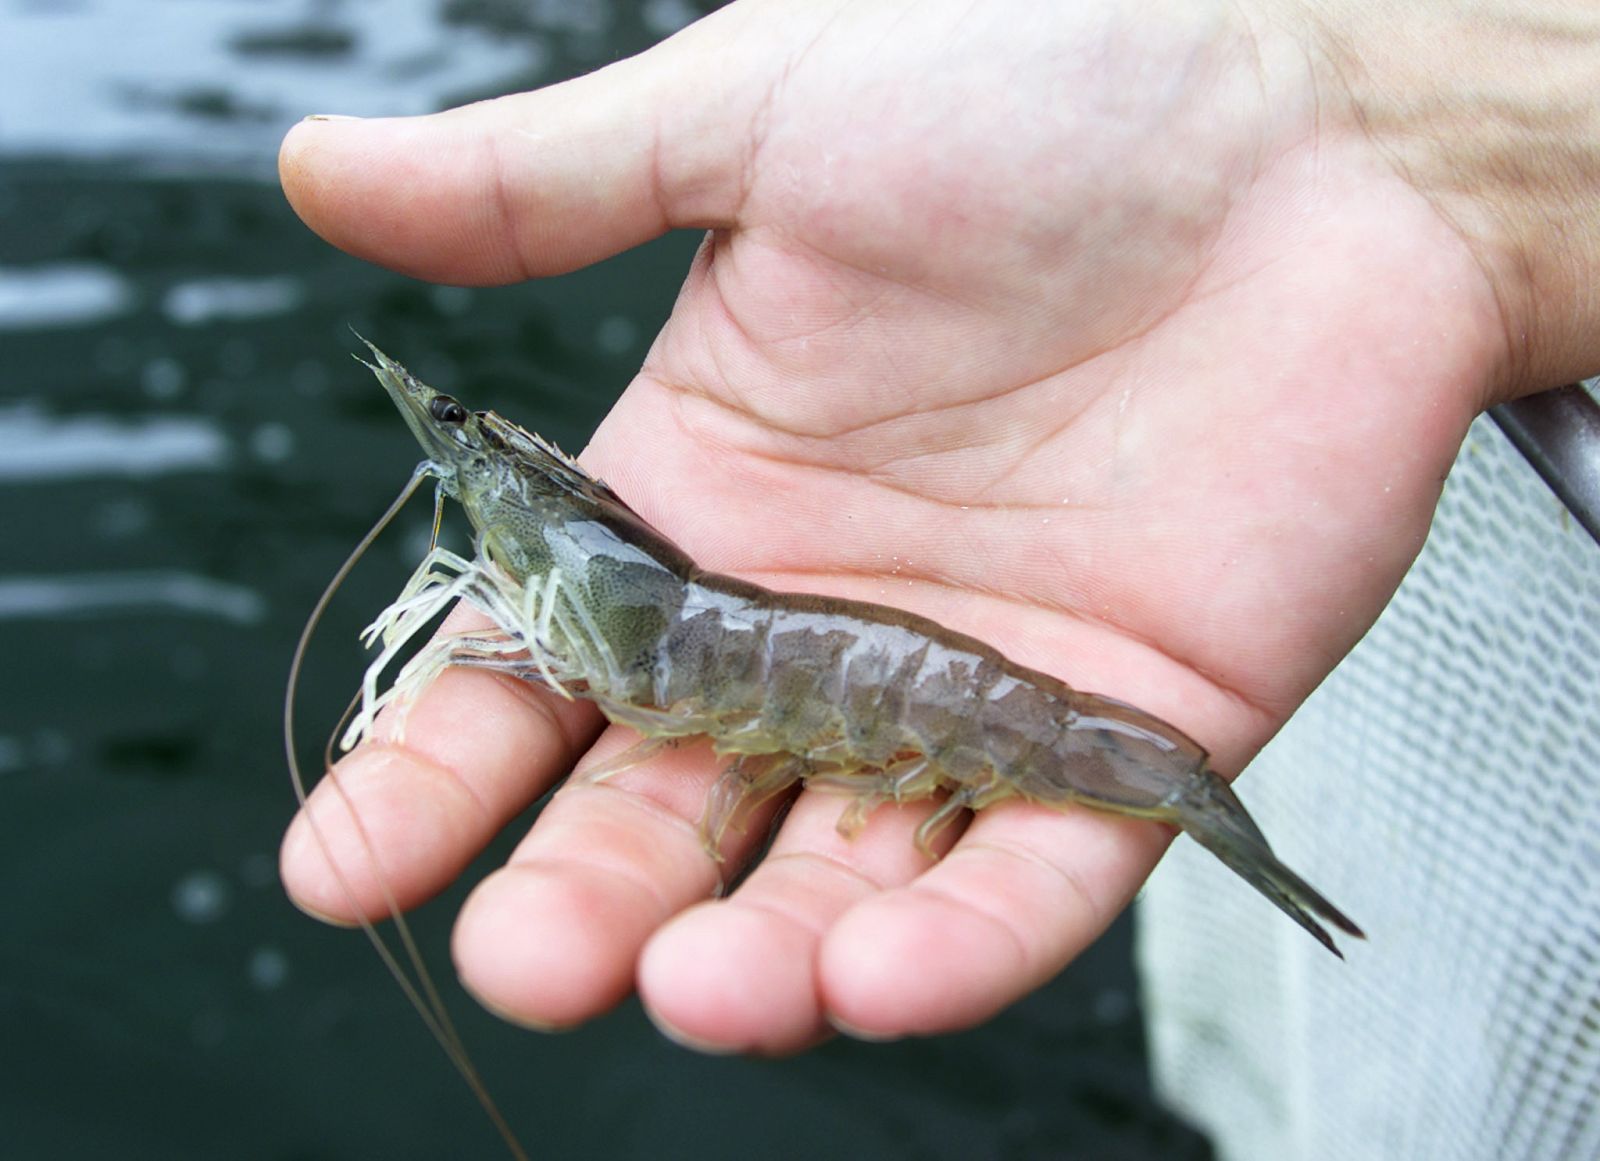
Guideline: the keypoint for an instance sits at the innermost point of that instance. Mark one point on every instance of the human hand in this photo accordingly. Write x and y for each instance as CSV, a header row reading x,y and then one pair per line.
x,y
1103,335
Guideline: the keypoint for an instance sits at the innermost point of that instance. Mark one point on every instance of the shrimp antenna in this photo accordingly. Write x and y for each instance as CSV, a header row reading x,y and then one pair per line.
x,y
422,994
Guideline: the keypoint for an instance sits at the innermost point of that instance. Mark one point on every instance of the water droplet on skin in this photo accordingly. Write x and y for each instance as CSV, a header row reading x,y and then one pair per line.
x,y
201,897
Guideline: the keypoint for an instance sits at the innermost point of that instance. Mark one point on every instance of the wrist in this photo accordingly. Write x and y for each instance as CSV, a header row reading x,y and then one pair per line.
x,y
1491,111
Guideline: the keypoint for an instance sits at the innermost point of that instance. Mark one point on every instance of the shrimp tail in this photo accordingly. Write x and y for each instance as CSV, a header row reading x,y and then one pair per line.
x,y
1216,819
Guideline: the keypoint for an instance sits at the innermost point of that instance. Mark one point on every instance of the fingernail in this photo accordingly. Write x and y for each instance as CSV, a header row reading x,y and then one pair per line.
x,y
331,117
850,1030
517,1019
683,1040
323,916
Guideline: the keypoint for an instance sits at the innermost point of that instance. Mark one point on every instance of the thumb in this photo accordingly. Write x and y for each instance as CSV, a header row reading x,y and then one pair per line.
x,y
538,183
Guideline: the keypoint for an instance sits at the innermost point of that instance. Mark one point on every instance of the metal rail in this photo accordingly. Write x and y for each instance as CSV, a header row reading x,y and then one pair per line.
x,y
1558,432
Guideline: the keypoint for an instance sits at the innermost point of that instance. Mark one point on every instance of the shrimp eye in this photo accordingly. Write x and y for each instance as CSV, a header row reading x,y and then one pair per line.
x,y
447,410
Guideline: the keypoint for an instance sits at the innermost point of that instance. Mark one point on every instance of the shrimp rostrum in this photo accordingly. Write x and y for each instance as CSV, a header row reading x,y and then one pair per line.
x,y
588,599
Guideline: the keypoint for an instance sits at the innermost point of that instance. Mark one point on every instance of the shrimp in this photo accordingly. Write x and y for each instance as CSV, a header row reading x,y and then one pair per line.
x,y
589,600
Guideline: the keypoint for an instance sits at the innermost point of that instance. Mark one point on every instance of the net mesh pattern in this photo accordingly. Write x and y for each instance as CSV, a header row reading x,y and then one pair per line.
x,y
1442,787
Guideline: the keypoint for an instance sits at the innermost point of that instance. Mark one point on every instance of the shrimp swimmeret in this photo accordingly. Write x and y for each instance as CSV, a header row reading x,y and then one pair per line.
x,y
589,600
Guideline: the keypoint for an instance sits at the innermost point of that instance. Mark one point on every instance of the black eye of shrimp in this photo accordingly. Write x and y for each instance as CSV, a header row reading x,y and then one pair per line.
x,y
447,410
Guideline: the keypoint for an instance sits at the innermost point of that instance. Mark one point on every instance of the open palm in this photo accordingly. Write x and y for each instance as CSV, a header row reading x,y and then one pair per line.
x,y
1097,336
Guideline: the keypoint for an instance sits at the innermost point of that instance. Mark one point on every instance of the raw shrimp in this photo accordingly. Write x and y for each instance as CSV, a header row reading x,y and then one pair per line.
x,y
589,600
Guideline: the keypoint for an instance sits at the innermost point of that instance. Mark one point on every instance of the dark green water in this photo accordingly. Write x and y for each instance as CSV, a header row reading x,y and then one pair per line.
x,y
186,453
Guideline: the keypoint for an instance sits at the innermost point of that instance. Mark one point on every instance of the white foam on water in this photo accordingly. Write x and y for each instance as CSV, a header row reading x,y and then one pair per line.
x,y
206,300
60,294
86,594
37,446
215,81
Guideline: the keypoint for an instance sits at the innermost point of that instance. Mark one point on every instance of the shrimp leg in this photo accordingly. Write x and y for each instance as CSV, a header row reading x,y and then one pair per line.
x,y
746,783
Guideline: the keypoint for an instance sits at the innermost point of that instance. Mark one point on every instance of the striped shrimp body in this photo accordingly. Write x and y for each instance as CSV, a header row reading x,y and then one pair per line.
x,y
588,599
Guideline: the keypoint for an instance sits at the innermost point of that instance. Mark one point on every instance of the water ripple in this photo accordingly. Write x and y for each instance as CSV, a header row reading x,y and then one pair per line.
x,y
205,300
61,294
37,446
163,591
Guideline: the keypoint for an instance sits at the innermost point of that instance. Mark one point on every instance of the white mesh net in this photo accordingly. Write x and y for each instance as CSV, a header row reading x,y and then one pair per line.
x,y
1442,788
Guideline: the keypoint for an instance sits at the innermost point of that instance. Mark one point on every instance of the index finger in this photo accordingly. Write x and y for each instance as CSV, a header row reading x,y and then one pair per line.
x,y
407,810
